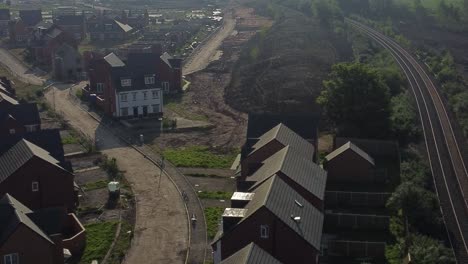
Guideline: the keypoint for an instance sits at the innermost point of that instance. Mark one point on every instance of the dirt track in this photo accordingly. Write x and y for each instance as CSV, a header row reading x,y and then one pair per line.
x,y
207,52
161,226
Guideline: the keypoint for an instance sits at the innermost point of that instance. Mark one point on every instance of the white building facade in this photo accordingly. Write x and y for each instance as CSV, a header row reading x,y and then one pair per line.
x,y
138,103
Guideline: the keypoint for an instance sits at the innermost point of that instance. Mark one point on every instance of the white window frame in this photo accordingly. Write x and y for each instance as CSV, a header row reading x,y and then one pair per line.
x,y
165,86
155,94
134,96
99,87
149,80
12,131
11,258
35,186
126,82
264,231
123,97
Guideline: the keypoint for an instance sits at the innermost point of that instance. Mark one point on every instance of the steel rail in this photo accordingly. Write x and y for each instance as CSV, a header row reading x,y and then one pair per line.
x,y
403,59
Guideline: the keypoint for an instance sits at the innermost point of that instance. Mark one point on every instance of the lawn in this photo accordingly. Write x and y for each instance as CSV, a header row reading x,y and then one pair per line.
x,y
213,216
199,157
122,244
24,91
218,195
95,185
99,237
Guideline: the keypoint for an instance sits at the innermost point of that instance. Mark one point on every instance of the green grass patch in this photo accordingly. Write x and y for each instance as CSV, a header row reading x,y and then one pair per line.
x,y
213,216
199,157
218,195
95,185
99,237
122,244
24,91
70,139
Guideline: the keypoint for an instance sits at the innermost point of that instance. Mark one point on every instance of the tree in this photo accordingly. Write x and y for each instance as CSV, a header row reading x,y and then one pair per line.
x,y
423,250
404,121
356,100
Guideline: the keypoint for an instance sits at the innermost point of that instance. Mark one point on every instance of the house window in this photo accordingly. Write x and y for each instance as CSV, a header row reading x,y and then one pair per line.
x,y
145,95
126,82
99,87
12,131
30,128
155,108
123,97
149,79
124,111
11,258
134,94
35,186
155,94
264,232
165,86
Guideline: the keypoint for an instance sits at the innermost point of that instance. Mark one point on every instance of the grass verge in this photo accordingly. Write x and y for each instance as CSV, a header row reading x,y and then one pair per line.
x,y
95,185
99,237
122,244
213,216
199,157
218,195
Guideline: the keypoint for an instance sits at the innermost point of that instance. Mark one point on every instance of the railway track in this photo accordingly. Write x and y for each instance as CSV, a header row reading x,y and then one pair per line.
x,y
446,160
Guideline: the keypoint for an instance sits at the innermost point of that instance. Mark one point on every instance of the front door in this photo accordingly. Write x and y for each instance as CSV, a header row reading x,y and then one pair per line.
x,y
145,110
135,111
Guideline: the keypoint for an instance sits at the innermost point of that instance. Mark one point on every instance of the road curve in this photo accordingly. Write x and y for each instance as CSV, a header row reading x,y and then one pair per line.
x,y
443,144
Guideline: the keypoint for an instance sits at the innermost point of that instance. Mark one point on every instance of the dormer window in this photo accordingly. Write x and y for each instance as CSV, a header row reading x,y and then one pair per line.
x,y
149,79
126,82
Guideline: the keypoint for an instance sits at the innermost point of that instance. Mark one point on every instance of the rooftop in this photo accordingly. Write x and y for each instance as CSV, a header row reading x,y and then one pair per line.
x,y
352,147
290,207
251,254
243,196
26,114
294,165
20,154
113,60
286,136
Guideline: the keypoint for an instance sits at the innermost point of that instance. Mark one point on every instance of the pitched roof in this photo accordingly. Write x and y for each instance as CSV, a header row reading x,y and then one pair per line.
x,y
352,147
286,137
7,98
251,254
20,154
283,201
13,213
166,57
374,147
124,27
301,170
113,60
26,114
47,139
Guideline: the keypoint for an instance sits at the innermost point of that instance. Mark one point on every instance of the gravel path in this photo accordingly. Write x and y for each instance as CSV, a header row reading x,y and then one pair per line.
x,y
161,228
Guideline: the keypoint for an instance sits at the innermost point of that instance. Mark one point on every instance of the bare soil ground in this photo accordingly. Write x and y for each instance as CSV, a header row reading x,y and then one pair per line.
x,y
206,94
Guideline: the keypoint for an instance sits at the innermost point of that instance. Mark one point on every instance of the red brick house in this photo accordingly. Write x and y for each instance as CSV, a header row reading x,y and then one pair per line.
x,y
277,219
48,41
41,236
302,174
351,164
271,142
251,254
21,30
35,178
19,119
73,25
